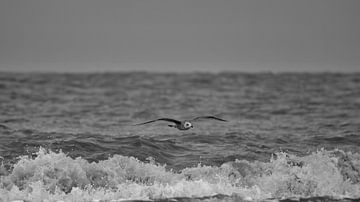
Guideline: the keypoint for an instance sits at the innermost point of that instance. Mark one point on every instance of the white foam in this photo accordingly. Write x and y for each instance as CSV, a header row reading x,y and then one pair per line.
x,y
57,177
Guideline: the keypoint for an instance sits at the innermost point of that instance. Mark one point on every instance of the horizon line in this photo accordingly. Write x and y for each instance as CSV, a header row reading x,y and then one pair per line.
x,y
179,72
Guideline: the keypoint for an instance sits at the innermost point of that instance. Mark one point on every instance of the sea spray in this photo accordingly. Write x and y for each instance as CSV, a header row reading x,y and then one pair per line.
x,y
56,176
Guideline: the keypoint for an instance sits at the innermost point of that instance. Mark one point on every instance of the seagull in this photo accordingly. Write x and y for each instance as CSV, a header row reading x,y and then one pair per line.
x,y
182,125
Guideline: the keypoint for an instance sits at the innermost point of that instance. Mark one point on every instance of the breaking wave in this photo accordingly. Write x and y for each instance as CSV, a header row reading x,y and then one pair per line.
x,y
54,176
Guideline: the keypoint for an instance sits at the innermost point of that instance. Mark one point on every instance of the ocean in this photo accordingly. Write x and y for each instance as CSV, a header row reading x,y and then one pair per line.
x,y
72,137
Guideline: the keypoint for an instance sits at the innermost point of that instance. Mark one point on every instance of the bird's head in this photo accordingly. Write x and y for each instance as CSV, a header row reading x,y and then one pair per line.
x,y
188,125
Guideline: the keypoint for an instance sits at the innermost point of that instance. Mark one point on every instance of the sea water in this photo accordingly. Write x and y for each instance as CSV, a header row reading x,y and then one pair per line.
x,y
71,137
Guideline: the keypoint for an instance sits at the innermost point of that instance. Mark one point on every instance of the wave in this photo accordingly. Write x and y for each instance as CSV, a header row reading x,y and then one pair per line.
x,y
54,176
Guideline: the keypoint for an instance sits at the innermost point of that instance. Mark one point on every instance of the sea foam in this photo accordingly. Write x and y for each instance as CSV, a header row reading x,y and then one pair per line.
x,y
54,176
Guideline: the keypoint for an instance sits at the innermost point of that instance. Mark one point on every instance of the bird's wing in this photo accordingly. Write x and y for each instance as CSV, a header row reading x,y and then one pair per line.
x,y
209,117
161,119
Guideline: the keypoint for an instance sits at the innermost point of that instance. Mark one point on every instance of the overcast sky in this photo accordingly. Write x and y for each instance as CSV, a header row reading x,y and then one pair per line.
x,y
179,35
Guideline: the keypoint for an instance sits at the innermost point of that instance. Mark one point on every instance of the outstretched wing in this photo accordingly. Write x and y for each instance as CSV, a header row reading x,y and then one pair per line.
x,y
209,117
161,119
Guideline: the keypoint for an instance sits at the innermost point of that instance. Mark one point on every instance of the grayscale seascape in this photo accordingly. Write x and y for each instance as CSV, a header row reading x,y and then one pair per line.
x,y
70,137
262,99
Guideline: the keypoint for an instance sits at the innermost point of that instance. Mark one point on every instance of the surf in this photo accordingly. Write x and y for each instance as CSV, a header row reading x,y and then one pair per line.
x,y
55,176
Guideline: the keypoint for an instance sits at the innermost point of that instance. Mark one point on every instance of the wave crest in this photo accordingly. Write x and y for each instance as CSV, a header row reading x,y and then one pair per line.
x,y
56,176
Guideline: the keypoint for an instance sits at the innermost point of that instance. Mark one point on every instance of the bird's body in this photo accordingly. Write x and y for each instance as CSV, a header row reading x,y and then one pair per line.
x,y
182,125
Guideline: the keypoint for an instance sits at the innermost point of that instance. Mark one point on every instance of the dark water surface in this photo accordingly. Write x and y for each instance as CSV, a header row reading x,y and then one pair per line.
x,y
71,136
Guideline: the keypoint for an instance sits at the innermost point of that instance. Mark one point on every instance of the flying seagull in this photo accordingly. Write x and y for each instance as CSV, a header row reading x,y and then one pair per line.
x,y
182,125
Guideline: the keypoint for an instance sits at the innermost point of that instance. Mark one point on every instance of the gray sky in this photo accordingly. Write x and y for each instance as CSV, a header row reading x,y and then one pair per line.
x,y
179,35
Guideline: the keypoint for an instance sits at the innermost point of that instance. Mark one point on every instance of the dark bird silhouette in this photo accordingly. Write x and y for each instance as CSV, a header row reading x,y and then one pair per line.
x,y
182,125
